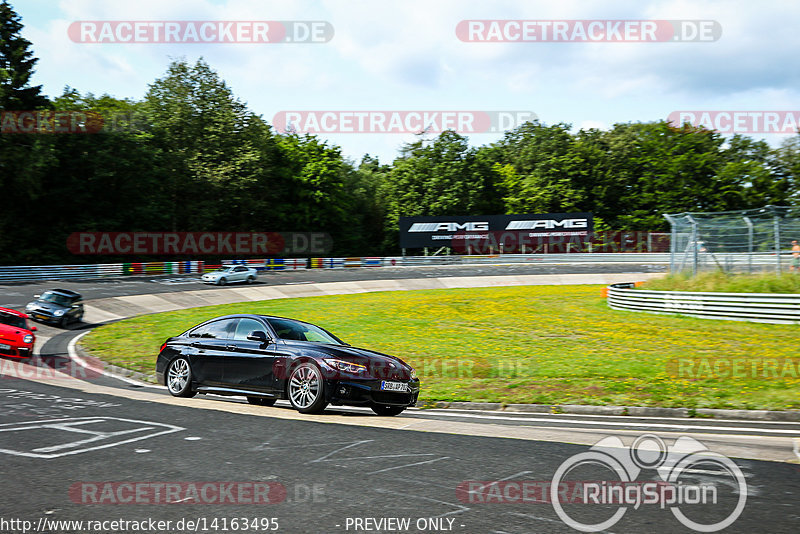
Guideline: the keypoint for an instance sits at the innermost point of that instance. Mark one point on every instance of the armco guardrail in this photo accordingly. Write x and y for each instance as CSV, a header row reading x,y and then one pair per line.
x,y
27,273
775,308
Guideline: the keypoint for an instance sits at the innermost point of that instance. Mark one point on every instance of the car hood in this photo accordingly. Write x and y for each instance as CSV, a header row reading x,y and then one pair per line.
x,y
379,364
48,306
12,333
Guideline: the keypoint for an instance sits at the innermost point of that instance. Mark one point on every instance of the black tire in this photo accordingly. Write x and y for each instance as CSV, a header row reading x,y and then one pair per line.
x,y
387,411
306,389
62,323
251,279
222,282
179,378
261,401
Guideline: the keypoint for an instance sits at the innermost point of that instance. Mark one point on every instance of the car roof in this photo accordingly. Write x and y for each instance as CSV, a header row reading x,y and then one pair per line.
x,y
13,312
65,292
254,316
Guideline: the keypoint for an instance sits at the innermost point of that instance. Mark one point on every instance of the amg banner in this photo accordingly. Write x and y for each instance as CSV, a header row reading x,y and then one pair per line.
x,y
494,233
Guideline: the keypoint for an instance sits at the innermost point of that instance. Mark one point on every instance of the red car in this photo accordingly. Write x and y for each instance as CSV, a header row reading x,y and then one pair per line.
x,y
16,336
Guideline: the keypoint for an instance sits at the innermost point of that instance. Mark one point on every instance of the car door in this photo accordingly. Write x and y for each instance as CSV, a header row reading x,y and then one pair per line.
x,y
240,273
207,350
250,363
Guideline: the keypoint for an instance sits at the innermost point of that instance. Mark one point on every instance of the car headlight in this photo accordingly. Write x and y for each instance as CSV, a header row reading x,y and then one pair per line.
x,y
28,338
350,367
58,313
413,374
30,306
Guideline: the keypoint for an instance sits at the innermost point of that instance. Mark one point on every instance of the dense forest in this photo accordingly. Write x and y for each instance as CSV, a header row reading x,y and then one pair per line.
x,y
190,156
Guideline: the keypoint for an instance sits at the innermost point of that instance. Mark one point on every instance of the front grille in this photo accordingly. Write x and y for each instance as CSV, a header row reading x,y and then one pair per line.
x,y
9,352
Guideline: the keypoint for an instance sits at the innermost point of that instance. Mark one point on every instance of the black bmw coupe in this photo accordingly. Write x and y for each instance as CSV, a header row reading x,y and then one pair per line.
x,y
267,358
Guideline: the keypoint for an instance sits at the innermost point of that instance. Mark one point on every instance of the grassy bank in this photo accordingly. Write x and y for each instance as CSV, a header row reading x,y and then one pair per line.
x,y
534,344
724,282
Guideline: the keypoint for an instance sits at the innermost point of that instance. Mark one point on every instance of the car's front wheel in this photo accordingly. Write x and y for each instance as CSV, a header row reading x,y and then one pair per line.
x,y
387,411
222,282
306,389
179,378
251,279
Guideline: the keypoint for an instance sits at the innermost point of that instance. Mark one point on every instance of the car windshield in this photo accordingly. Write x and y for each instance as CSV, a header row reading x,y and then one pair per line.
x,y
297,331
55,298
224,269
12,320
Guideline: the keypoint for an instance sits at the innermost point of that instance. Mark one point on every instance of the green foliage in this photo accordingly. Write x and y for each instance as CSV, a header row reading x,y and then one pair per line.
x,y
529,344
727,282
190,156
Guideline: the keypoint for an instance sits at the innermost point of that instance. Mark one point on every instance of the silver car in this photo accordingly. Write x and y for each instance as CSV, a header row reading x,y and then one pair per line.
x,y
230,274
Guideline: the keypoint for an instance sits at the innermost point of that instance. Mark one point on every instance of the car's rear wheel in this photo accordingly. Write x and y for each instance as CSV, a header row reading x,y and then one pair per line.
x,y
306,389
179,378
222,282
387,411
261,401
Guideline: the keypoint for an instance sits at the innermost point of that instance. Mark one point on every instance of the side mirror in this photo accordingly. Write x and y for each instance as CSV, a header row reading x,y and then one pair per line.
x,y
34,329
257,335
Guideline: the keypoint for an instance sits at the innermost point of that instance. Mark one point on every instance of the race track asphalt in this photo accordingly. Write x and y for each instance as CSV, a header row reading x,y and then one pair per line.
x,y
67,442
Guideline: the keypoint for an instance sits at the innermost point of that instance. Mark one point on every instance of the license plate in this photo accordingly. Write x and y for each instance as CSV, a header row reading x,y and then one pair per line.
x,y
39,316
393,386
5,347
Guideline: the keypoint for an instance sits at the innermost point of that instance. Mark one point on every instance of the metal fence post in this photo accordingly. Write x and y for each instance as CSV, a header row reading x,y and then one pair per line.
x,y
776,223
694,244
673,241
749,244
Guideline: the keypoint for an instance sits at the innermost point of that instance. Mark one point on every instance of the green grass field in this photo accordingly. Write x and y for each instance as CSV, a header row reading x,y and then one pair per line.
x,y
530,344
788,282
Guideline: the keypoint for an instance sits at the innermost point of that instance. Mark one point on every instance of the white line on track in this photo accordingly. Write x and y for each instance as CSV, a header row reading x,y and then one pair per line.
x,y
74,356
684,428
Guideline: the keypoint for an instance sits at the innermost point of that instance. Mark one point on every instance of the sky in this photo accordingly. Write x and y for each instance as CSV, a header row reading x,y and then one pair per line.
x,y
378,57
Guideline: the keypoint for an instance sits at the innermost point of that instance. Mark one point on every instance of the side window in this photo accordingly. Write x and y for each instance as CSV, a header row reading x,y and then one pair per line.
x,y
215,330
246,326
241,269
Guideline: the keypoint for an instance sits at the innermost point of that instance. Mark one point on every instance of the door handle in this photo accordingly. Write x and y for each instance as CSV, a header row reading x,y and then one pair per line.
x,y
230,347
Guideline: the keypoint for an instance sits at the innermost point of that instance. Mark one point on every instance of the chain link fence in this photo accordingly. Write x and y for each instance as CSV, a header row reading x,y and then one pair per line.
x,y
751,241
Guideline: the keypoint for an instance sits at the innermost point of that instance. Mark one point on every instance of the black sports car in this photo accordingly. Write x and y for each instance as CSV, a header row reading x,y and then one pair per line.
x,y
58,306
268,358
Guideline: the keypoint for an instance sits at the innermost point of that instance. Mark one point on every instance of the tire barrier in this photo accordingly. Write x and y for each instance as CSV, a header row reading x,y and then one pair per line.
x,y
776,308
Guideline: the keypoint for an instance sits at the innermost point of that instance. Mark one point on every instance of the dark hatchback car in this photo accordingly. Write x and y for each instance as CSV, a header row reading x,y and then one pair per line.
x,y
56,306
268,358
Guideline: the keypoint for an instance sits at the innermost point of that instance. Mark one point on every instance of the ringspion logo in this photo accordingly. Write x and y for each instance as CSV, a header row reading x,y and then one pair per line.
x,y
200,32
588,31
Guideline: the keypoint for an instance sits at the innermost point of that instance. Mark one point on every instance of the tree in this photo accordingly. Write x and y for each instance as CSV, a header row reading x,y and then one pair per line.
x,y
16,65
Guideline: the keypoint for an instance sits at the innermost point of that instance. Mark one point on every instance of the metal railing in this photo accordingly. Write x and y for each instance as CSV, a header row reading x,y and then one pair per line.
x,y
774,308
64,272
27,273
